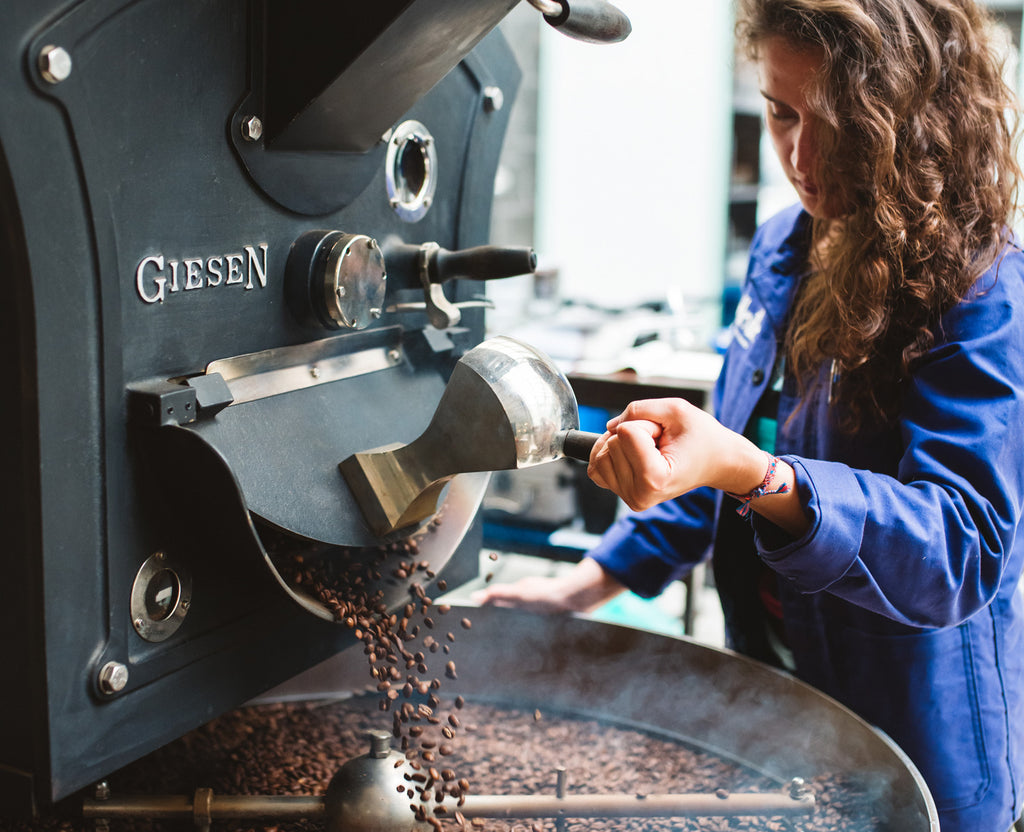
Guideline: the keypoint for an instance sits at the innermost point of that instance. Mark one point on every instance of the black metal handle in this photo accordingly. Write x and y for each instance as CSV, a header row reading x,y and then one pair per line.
x,y
482,263
593,21
578,444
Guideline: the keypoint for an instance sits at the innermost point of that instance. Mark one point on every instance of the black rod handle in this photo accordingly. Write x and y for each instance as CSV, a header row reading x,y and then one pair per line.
x,y
482,263
578,444
593,21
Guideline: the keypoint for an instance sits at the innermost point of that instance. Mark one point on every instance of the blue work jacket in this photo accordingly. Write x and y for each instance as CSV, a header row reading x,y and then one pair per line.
x,y
902,599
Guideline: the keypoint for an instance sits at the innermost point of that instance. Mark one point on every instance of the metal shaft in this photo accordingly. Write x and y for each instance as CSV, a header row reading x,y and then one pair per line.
x,y
287,807
634,806
277,807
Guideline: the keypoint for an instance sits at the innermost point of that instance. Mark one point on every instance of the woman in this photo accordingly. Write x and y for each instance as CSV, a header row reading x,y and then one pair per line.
x,y
862,487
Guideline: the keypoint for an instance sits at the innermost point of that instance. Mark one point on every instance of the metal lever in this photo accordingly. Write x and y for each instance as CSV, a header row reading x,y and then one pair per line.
x,y
435,265
593,21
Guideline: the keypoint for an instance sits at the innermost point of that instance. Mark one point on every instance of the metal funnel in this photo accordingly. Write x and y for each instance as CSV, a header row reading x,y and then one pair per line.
x,y
506,406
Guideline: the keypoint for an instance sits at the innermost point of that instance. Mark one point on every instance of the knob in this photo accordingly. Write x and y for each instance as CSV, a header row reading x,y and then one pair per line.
x,y
592,21
335,279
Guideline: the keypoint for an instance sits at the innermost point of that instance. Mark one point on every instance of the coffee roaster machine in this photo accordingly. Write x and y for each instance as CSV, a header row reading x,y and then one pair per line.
x,y
240,241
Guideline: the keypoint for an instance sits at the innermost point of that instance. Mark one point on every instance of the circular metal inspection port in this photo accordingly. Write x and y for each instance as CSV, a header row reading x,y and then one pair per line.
x,y
411,170
161,595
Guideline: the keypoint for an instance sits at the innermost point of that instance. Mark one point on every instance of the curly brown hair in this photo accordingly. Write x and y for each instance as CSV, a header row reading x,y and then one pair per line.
x,y
917,134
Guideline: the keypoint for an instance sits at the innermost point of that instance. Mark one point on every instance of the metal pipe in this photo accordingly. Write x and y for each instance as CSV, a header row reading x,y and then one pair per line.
x,y
548,7
278,807
634,806
289,807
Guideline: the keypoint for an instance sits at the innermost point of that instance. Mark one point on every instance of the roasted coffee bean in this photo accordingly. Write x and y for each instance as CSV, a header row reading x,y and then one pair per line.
x,y
466,623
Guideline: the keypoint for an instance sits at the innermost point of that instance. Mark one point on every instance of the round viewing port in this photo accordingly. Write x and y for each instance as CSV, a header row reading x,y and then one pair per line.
x,y
411,170
161,595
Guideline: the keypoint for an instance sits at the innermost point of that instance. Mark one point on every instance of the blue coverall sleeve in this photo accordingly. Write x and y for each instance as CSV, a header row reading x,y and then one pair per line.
x,y
929,546
647,550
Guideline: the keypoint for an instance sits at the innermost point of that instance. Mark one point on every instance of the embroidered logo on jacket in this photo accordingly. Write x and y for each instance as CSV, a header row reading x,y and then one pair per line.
x,y
746,326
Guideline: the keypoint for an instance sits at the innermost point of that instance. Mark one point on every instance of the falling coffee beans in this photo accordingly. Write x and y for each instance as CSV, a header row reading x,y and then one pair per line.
x,y
347,582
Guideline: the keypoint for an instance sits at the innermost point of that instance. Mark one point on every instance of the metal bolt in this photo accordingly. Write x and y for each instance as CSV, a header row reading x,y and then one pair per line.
x,y
375,313
113,677
252,128
54,64
101,791
137,623
314,371
394,356
798,788
341,291
380,743
494,99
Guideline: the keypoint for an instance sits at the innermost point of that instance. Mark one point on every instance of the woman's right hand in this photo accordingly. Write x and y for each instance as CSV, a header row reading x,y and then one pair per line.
x,y
582,589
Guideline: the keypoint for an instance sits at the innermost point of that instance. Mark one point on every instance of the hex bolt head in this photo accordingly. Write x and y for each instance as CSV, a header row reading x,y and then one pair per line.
x,y
54,64
113,677
252,128
798,788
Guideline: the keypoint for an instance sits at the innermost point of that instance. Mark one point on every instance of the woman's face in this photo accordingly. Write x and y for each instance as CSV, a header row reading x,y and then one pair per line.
x,y
785,76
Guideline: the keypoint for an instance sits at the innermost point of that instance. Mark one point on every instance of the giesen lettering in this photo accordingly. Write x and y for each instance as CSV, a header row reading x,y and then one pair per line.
x,y
156,277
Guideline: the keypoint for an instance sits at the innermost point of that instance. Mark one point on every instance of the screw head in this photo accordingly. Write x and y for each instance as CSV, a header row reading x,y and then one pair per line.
x,y
798,788
252,128
113,677
54,64
494,99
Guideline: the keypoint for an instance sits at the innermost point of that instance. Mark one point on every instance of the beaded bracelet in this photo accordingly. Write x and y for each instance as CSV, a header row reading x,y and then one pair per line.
x,y
761,490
